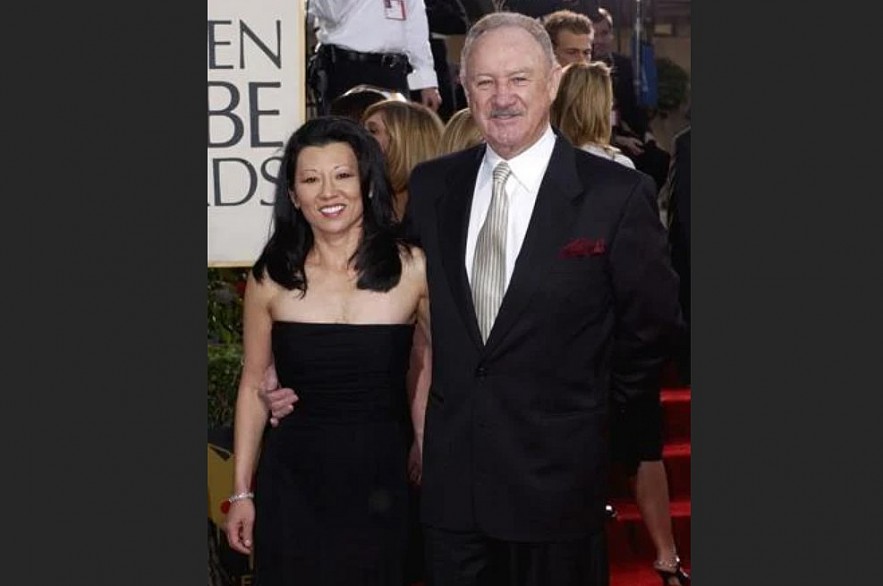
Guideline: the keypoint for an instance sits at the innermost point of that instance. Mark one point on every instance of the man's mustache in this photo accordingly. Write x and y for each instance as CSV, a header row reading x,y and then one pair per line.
x,y
505,112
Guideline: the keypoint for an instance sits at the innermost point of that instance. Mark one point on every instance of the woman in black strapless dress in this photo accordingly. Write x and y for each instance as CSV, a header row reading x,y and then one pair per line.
x,y
333,301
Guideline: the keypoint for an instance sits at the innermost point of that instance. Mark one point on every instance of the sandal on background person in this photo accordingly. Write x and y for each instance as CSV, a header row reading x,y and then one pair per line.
x,y
671,570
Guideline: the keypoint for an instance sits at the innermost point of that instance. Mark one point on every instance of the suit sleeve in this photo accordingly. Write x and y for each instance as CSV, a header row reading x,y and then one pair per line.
x,y
418,51
417,193
647,315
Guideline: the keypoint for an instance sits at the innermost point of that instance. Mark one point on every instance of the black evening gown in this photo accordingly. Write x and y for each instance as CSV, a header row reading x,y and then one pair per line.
x,y
331,493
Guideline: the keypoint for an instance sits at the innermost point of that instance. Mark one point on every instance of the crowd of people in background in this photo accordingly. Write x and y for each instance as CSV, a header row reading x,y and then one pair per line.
x,y
387,72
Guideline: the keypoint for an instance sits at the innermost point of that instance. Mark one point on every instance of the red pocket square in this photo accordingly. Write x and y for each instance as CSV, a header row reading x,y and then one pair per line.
x,y
583,247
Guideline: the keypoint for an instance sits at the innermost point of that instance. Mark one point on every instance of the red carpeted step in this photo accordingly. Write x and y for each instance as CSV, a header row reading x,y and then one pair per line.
x,y
677,467
676,414
628,539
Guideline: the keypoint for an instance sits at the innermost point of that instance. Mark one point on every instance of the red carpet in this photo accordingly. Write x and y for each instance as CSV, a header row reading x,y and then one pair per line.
x,y
631,550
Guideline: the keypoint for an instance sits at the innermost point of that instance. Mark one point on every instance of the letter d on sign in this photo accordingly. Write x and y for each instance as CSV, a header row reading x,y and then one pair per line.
x,y
234,180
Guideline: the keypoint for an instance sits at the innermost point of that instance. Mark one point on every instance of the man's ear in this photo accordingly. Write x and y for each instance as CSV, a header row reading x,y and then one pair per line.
x,y
554,81
462,79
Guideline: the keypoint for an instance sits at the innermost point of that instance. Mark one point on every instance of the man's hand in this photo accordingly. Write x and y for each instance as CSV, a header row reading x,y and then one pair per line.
x,y
630,145
430,98
280,402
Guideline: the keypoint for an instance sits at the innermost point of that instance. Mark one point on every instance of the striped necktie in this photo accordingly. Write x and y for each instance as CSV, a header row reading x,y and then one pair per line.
x,y
489,263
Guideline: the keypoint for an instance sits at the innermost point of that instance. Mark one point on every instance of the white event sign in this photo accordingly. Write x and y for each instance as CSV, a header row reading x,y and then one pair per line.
x,y
256,99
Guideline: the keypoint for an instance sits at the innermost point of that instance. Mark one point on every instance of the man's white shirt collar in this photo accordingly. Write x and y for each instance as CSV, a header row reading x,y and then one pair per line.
x,y
528,167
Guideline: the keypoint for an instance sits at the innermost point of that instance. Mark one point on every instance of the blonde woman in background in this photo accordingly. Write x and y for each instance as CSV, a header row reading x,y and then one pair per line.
x,y
460,132
408,133
582,110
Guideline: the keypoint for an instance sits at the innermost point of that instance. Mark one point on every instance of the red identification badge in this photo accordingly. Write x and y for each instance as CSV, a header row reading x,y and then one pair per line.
x,y
394,9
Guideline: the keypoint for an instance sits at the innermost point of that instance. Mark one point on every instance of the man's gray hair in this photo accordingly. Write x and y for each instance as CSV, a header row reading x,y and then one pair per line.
x,y
496,20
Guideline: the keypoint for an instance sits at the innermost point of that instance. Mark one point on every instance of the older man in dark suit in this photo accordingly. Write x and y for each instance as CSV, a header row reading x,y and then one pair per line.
x,y
550,286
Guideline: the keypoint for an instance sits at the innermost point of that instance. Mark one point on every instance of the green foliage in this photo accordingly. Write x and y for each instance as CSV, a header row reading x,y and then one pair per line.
x,y
225,305
672,83
224,342
224,367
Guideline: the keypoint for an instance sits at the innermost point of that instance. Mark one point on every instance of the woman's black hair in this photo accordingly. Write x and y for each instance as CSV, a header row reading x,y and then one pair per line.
x,y
377,260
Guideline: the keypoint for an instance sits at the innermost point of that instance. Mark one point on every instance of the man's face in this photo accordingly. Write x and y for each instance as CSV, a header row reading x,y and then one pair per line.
x,y
510,85
602,46
571,47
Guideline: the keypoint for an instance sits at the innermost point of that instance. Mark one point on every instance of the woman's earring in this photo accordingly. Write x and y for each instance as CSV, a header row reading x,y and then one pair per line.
x,y
371,193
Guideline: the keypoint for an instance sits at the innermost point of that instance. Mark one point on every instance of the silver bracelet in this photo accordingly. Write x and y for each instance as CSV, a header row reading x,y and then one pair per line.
x,y
240,496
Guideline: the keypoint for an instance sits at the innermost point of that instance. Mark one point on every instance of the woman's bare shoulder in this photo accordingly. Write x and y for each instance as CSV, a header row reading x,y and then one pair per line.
x,y
264,288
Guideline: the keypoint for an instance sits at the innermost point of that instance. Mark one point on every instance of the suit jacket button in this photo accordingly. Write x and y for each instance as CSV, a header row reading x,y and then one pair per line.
x,y
481,372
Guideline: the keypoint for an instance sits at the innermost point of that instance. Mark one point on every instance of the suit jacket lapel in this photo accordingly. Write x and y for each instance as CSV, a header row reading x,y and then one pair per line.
x,y
453,223
547,232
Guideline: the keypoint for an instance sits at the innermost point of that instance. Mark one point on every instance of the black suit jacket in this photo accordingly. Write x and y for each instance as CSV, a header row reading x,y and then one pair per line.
x,y
446,17
680,191
679,214
515,438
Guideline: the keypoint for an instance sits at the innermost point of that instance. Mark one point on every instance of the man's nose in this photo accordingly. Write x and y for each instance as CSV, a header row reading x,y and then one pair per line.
x,y
503,93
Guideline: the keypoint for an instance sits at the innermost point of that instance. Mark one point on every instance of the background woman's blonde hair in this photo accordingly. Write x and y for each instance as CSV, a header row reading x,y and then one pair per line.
x,y
414,135
461,132
581,110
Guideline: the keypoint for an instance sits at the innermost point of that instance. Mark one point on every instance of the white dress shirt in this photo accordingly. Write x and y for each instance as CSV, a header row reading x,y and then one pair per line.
x,y
363,26
521,188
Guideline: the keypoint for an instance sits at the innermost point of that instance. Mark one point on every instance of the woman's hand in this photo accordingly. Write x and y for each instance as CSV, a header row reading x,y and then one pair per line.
x,y
240,521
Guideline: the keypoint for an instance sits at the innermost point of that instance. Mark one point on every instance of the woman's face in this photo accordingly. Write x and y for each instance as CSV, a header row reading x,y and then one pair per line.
x,y
376,125
327,189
